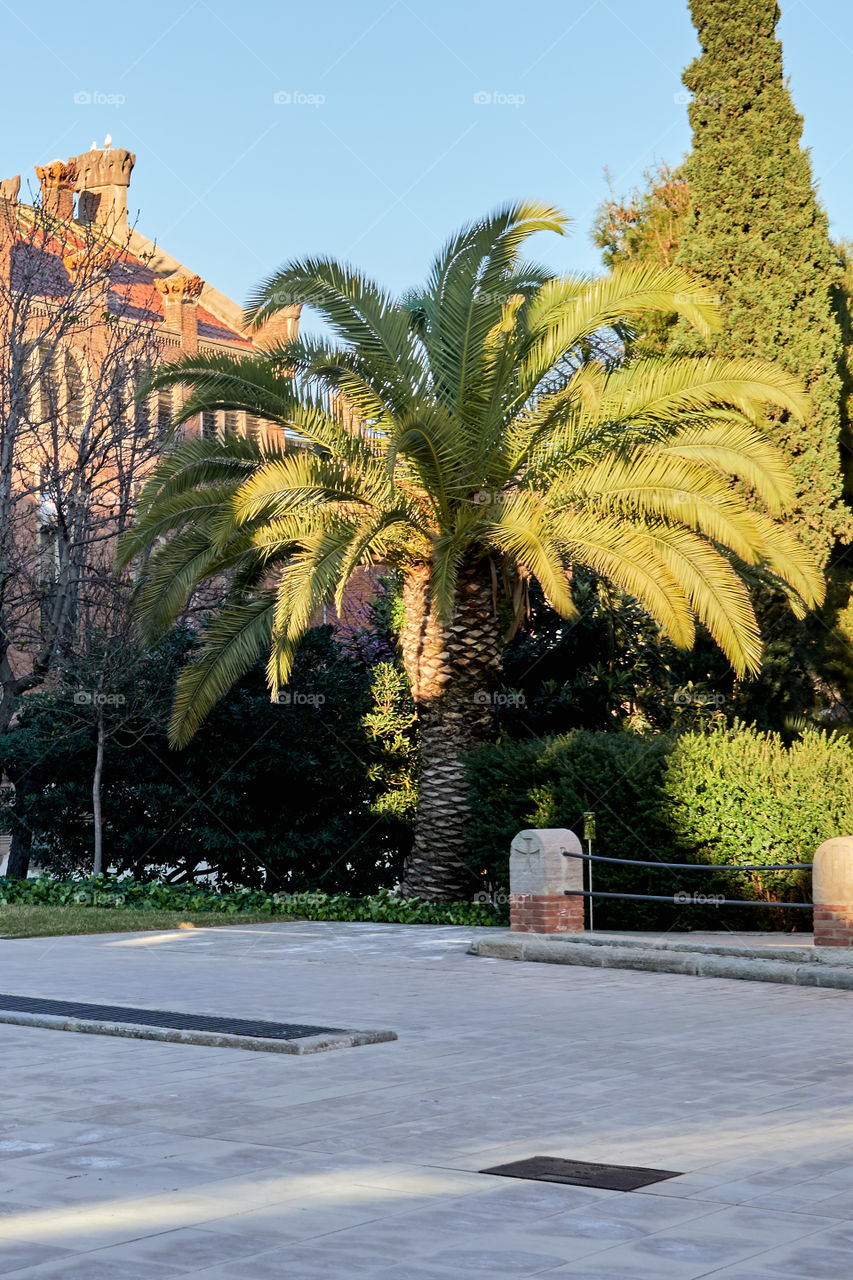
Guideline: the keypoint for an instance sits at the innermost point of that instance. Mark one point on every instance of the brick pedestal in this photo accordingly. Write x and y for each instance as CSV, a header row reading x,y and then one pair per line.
x,y
833,925
538,874
545,913
832,891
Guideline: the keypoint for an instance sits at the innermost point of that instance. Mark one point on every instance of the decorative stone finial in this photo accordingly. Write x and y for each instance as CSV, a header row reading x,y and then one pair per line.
x,y
110,168
59,173
83,262
180,288
103,177
9,188
57,187
282,327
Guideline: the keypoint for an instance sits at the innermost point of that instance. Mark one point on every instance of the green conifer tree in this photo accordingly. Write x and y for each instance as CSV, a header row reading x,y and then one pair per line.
x,y
757,234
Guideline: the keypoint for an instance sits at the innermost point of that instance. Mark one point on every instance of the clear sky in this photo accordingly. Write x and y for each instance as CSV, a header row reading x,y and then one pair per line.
x,y
380,142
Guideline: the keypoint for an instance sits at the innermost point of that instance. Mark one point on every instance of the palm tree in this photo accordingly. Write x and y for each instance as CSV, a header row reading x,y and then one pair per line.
x,y
503,431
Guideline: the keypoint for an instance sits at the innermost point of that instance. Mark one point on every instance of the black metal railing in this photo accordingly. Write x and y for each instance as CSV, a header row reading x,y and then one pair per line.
x,y
684,899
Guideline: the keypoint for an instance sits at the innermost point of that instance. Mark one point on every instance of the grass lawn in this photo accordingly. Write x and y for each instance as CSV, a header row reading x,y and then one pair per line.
x,y
23,920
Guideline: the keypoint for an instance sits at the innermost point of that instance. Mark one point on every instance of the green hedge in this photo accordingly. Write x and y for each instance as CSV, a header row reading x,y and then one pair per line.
x,y
725,796
382,907
735,795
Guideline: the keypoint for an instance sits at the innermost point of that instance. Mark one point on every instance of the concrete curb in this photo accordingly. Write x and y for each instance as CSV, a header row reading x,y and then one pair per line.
x,y
700,962
134,1031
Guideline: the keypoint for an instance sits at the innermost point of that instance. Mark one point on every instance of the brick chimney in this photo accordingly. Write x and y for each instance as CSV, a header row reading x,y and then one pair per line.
x,y
9,188
57,187
180,308
103,177
281,328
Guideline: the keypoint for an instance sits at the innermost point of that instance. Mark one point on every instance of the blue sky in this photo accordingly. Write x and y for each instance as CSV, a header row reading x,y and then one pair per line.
x,y
382,148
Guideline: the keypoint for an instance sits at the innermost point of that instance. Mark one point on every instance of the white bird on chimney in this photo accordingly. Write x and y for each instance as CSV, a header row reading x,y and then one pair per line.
x,y
94,147
108,141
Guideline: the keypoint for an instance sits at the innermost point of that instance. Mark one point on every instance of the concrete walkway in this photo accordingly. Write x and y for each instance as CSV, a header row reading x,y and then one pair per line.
x,y
134,1159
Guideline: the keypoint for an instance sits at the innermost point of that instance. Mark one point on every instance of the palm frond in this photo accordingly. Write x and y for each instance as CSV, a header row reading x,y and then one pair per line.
x,y
362,314
620,552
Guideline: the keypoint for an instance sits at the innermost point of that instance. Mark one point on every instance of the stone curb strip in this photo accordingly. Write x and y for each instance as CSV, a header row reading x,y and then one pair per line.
x,y
802,969
307,1044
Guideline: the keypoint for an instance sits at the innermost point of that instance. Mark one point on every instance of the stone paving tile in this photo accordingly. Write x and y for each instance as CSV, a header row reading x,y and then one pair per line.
x,y
809,1261
298,1262
106,1220
90,1267
416,1271
17,1255
653,1215
817,1196
186,1250
605,1267
274,1225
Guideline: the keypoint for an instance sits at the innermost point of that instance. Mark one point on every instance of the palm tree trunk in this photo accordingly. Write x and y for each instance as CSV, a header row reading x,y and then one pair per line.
x,y
452,670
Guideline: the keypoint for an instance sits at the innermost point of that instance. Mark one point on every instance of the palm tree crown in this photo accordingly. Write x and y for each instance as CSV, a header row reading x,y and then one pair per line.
x,y
500,428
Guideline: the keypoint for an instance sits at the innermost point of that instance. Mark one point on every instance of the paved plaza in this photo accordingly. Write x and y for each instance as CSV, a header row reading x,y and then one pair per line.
x,y
134,1159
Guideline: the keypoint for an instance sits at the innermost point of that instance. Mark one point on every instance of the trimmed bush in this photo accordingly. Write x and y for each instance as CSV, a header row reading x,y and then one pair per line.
x,y
739,796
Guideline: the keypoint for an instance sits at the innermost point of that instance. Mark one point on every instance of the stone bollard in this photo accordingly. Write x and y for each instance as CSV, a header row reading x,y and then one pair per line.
x,y
832,893
538,874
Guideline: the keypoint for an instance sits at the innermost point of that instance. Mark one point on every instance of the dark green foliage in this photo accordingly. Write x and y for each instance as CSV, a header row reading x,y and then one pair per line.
x,y
723,796
754,230
267,795
758,236
551,782
610,668
381,907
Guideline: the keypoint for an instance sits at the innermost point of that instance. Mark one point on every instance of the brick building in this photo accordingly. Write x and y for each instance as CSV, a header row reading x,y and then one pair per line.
x,y
87,196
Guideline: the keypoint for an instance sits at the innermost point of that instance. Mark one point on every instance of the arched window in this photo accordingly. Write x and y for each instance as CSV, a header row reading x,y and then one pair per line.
x,y
164,409
59,390
75,395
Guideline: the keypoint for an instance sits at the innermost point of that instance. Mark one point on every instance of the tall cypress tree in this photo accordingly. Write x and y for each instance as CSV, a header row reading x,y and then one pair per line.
x,y
756,233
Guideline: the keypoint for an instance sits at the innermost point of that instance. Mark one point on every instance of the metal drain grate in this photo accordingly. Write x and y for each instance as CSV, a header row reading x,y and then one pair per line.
x,y
164,1018
579,1173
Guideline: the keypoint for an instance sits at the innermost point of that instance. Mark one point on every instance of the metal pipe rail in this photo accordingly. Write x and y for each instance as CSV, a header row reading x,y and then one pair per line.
x,y
678,902
690,866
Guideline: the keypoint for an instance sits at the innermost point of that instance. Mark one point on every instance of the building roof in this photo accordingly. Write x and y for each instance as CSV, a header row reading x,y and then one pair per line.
x,y
139,263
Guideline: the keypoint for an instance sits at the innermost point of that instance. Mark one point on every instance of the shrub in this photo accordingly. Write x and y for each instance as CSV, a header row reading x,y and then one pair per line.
x,y
104,891
739,796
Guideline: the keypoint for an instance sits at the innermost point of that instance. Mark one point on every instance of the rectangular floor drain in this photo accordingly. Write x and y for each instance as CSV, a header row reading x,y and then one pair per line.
x,y
579,1173
187,1028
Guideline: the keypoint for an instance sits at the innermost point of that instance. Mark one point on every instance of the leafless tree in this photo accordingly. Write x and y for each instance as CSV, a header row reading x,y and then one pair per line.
x,y
75,443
